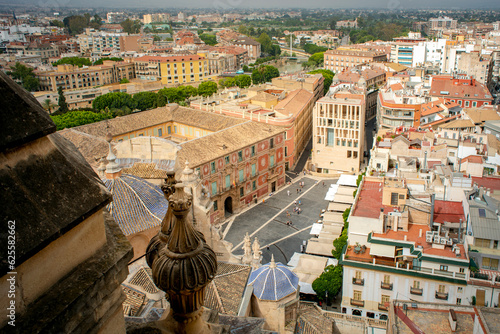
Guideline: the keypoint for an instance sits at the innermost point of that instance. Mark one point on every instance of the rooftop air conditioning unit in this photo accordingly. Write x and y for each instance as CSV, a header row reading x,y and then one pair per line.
x,y
436,239
449,242
428,238
443,241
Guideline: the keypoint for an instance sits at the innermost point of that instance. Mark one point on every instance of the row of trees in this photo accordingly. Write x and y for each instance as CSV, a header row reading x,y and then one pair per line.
x,y
115,104
242,81
80,62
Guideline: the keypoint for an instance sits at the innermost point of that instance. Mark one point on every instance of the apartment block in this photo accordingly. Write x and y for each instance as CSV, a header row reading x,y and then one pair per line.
x,y
172,69
400,248
441,23
338,132
339,59
73,77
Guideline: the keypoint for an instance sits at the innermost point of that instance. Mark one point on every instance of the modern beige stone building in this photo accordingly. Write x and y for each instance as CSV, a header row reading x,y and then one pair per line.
x,y
339,59
338,132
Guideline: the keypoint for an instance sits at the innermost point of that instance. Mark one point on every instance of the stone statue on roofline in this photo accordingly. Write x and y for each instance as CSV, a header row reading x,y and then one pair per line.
x,y
247,248
257,254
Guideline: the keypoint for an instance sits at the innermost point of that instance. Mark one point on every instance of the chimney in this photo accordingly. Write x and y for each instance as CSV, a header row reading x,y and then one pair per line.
x,y
406,237
452,318
420,233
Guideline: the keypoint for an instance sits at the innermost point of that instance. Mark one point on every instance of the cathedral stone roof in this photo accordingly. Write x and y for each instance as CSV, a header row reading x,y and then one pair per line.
x,y
273,281
137,204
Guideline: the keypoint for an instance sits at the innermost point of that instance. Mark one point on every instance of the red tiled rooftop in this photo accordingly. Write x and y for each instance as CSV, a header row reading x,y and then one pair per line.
x,y
475,159
370,201
448,211
459,88
487,182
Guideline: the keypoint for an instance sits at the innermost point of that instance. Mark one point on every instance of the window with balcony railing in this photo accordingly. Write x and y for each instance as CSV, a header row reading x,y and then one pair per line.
x,y
358,281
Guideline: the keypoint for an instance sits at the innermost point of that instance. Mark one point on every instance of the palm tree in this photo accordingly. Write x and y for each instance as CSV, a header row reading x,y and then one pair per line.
x,y
47,104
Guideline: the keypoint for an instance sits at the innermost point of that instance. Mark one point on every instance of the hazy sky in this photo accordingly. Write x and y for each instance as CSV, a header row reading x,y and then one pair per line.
x,y
226,4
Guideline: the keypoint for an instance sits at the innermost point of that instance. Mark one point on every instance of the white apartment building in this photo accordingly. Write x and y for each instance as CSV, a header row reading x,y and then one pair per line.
x,y
96,41
398,250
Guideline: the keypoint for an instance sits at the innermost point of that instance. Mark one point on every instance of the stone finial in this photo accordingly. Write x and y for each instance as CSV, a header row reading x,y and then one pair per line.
x,y
272,264
183,267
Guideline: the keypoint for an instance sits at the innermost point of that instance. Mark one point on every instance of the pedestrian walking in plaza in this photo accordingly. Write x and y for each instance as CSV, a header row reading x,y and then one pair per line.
x,y
297,190
300,202
323,184
288,192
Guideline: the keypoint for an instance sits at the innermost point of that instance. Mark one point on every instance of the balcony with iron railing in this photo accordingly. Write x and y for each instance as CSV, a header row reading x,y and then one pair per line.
x,y
441,295
358,281
383,306
403,266
359,303
416,291
386,286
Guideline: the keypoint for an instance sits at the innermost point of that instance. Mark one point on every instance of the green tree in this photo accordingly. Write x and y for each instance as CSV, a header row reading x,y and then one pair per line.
x,y
47,104
227,82
77,23
208,39
117,100
124,81
76,61
317,59
243,81
257,77
189,91
329,283
63,106
145,100
328,78
31,83
131,27
339,244
77,118
313,48
101,61
207,88
270,72
25,76
56,23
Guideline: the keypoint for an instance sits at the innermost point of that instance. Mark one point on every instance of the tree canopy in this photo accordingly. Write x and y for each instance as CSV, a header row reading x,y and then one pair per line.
x,y
327,75
63,106
101,61
145,100
77,23
241,81
76,61
313,48
77,118
207,88
329,283
208,39
117,100
131,27
25,76
267,45
264,74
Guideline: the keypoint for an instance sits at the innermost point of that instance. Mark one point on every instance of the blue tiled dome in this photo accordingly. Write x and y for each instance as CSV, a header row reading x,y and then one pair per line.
x,y
137,204
273,281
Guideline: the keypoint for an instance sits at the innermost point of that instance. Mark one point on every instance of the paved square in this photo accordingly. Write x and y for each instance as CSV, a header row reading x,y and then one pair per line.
x,y
267,221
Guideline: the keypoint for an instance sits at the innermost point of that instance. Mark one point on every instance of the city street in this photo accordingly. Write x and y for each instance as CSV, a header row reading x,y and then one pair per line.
x,y
267,220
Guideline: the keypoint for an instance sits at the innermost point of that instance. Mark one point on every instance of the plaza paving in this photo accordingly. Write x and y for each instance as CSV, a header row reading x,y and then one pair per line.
x,y
267,221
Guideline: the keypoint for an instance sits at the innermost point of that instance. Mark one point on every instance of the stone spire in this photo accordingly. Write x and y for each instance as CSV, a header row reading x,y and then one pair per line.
x,y
272,264
102,167
182,268
257,254
113,170
247,248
